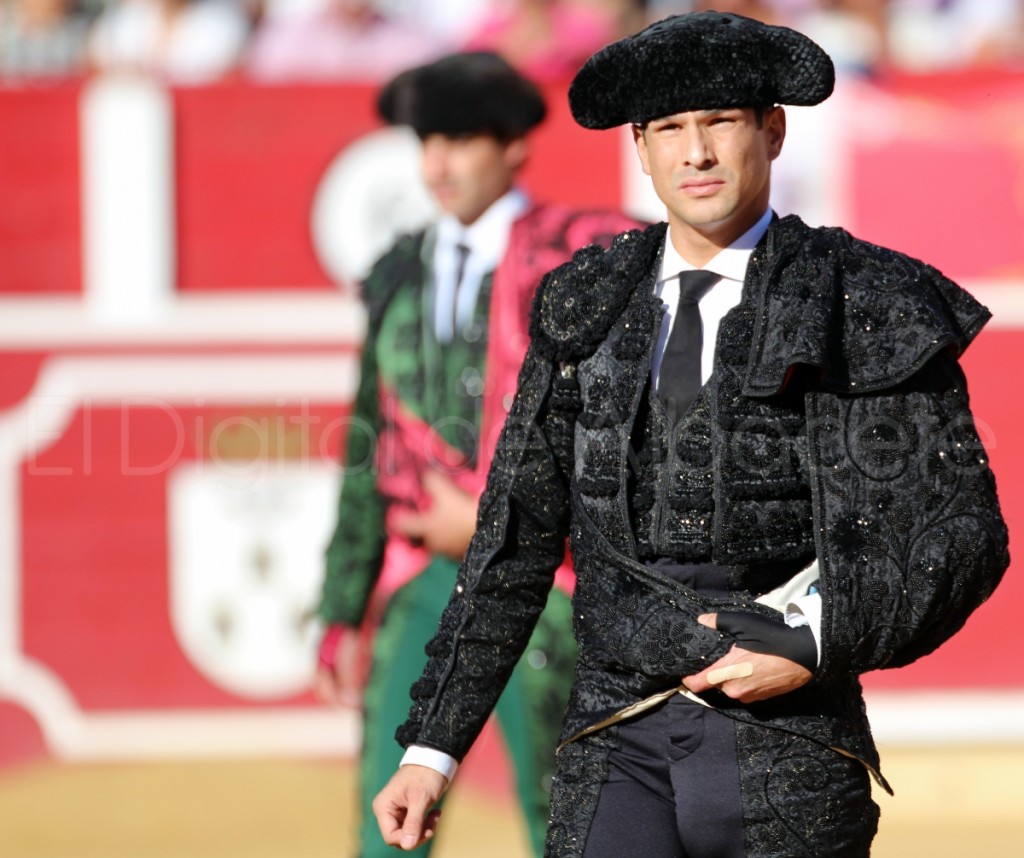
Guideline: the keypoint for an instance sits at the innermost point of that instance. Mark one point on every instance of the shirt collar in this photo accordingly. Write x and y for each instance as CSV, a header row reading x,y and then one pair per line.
x,y
730,262
487,232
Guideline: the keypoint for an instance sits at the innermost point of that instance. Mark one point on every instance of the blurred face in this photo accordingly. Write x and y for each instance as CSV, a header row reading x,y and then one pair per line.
x,y
466,175
355,10
42,13
712,170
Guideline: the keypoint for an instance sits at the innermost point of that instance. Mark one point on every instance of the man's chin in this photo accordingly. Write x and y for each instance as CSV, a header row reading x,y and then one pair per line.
x,y
703,212
447,201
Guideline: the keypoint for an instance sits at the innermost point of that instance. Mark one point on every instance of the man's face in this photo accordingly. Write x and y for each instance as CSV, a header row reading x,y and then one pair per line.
x,y
712,168
466,175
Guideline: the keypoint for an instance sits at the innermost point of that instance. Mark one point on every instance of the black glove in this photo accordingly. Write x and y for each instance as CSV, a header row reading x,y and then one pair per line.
x,y
771,637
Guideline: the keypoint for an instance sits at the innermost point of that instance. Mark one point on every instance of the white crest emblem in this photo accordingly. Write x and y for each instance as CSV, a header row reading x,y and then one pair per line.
x,y
246,566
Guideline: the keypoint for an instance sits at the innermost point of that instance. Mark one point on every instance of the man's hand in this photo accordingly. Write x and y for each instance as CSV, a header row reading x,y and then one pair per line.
x,y
446,526
772,675
342,668
403,807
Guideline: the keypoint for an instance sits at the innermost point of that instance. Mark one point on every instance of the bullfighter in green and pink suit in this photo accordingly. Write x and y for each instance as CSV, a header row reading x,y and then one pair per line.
x,y
439,369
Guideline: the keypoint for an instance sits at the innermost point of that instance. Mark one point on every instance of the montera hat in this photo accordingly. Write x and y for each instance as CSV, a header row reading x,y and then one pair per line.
x,y
699,61
461,95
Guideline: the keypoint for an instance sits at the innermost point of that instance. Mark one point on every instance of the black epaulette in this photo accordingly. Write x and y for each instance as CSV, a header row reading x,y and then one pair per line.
x,y
866,316
578,302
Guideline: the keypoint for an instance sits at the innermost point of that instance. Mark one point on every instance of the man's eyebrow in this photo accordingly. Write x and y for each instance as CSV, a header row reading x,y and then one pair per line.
x,y
675,117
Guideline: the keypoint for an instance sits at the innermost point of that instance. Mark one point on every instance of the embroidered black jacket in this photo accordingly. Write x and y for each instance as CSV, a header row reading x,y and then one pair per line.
x,y
836,425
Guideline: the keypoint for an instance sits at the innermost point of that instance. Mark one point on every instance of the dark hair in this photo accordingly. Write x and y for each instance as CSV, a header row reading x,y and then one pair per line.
x,y
759,113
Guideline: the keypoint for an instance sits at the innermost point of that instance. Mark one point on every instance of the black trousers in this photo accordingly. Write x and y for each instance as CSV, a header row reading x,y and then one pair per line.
x,y
673,786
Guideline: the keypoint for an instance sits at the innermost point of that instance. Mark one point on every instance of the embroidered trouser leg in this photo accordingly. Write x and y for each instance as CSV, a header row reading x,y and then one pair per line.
x,y
673,788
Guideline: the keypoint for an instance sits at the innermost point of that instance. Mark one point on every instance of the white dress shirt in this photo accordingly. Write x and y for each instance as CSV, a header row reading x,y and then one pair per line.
x,y
487,239
798,608
731,264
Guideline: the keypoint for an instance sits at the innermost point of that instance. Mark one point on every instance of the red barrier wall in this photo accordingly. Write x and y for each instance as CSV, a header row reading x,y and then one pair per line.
x,y
88,570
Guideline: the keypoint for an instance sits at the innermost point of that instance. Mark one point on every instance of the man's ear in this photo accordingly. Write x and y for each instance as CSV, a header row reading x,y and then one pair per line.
x,y
641,147
516,152
775,125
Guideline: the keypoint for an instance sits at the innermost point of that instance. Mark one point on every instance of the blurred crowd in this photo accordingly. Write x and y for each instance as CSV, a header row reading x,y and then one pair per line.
x,y
201,41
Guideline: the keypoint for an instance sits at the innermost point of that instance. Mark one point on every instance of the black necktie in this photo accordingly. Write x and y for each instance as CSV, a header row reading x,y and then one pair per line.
x,y
679,378
460,272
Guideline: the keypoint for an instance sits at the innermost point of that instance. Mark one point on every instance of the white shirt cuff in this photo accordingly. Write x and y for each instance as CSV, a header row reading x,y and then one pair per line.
x,y
439,761
806,611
